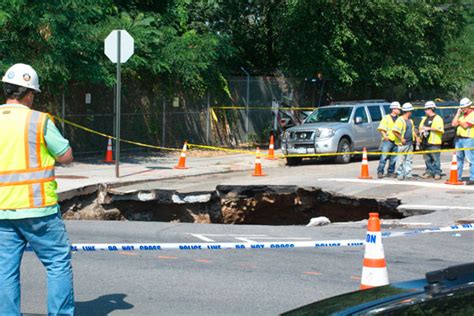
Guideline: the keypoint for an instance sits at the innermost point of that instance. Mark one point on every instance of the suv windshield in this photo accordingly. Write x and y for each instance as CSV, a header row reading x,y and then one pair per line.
x,y
336,114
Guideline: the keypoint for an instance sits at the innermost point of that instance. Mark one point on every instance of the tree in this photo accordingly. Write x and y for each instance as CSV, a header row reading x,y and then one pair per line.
x,y
374,45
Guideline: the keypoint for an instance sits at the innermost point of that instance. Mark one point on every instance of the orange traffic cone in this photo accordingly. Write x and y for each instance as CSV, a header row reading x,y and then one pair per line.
x,y
374,270
182,159
108,154
453,176
271,149
364,173
258,165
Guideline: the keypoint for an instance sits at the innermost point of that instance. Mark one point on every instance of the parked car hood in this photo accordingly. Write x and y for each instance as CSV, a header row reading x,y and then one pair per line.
x,y
313,126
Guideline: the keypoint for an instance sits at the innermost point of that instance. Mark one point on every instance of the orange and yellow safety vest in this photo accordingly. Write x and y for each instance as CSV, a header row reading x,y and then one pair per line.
x,y
26,166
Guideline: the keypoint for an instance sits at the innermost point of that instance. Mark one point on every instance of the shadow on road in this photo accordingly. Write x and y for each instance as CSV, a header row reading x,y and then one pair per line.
x,y
103,305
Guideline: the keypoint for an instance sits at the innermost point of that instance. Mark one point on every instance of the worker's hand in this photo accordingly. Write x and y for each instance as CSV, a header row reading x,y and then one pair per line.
x,y
385,138
404,141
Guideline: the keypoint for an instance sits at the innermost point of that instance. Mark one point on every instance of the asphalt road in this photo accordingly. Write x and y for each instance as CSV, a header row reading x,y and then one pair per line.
x,y
230,282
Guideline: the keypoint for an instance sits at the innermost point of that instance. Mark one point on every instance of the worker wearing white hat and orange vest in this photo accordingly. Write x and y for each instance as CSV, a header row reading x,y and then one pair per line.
x,y
30,144
464,121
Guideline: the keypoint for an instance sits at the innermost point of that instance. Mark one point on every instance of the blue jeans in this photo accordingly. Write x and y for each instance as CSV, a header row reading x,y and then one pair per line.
x,y
48,238
468,154
404,169
433,161
388,147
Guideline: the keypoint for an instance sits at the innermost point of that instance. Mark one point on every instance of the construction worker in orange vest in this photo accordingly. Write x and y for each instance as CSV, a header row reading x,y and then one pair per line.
x,y
30,144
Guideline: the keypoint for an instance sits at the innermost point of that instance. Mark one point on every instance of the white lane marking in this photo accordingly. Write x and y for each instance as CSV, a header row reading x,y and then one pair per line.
x,y
442,164
423,165
202,237
234,235
407,182
245,240
283,238
429,207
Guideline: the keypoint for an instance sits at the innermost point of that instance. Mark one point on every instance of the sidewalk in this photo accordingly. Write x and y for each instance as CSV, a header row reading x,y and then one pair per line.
x,y
81,174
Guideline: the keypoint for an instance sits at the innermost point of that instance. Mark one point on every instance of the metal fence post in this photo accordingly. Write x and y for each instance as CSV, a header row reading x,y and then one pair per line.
x,y
163,132
208,120
247,103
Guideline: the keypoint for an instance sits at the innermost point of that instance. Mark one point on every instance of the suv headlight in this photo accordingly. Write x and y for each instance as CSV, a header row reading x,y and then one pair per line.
x,y
325,132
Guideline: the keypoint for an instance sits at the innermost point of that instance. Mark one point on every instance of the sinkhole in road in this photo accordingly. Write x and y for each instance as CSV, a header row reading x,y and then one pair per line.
x,y
252,204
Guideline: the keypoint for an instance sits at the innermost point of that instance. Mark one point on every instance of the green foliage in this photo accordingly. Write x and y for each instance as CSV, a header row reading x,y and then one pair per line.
x,y
376,44
184,45
63,40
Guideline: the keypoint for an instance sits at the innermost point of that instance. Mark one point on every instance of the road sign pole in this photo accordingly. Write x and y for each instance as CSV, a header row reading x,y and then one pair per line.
x,y
118,47
117,112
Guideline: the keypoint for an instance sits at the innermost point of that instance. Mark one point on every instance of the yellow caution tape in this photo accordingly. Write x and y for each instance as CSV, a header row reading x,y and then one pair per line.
x,y
240,108
249,152
112,137
238,151
214,116
420,152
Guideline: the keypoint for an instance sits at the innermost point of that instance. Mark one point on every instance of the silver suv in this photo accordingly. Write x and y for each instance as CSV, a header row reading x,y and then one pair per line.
x,y
342,127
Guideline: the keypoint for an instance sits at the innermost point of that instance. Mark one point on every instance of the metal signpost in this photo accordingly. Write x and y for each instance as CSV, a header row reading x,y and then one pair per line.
x,y
118,47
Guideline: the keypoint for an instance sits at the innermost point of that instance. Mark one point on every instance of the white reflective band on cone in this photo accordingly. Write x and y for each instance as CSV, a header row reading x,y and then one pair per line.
x,y
374,276
373,246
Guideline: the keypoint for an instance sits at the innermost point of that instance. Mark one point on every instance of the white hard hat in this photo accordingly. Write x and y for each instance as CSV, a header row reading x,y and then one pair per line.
x,y
395,105
407,107
22,75
430,105
465,102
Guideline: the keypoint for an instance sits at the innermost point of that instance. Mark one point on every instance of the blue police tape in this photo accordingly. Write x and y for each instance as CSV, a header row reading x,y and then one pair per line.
x,y
218,246
447,229
256,245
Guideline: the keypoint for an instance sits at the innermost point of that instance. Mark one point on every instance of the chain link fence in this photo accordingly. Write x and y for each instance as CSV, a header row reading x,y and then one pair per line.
x,y
169,121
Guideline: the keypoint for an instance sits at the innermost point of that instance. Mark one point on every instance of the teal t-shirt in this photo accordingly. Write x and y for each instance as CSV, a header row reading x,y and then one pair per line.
x,y
57,146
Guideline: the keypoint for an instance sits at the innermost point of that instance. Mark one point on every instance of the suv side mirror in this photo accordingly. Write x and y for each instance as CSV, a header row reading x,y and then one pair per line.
x,y
358,120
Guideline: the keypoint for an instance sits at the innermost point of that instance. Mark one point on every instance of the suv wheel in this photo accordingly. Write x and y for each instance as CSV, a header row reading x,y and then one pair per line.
x,y
293,161
344,146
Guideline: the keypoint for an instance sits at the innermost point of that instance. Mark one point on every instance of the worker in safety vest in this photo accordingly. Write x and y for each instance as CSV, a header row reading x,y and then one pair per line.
x,y
405,136
30,144
464,121
431,130
388,140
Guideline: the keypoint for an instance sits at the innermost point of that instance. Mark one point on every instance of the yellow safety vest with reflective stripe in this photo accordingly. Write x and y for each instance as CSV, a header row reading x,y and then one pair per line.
x,y
26,166
400,126
436,137
469,131
386,124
